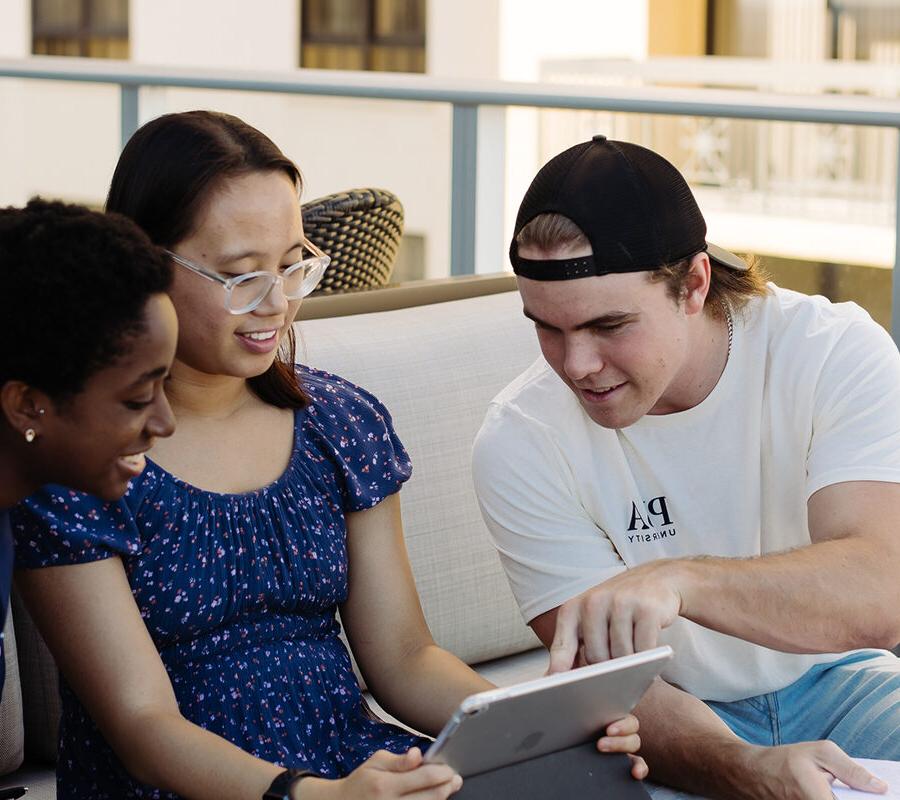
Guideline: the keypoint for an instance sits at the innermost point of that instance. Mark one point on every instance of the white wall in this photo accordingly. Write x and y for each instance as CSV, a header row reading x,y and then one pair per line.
x,y
338,143
15,42
57,139
462,38
15,29
231,34
62,139
534,30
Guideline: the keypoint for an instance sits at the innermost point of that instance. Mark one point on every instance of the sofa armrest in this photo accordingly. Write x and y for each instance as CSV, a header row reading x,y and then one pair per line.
x,y
406,295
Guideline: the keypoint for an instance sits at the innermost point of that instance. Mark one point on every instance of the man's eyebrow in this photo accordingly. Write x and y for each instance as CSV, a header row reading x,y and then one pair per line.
x,y
612,318
152,375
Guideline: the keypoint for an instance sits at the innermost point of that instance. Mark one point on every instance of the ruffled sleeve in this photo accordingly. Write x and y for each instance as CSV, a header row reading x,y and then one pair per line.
x,y
358,431
58,526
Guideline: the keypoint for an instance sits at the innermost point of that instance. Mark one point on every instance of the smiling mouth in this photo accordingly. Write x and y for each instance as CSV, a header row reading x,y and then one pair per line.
x,y
259,336
598,395
132,464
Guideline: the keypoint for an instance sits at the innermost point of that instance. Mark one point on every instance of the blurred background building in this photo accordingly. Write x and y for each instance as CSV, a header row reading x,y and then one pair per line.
x,y
816,202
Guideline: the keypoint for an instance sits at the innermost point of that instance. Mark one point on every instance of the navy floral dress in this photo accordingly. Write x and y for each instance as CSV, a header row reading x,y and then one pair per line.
x,y
239,592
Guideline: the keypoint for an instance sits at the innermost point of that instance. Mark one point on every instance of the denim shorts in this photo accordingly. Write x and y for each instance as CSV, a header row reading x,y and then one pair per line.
x,y
854,702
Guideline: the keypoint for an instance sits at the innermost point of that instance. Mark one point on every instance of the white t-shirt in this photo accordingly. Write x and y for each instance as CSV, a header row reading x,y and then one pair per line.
x,y
810,397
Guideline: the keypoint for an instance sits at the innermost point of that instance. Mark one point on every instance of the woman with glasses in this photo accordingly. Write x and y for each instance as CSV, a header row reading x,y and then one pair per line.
x,y
205,657
89,334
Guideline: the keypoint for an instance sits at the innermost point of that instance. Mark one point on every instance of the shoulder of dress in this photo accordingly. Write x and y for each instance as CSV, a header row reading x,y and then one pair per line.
x,y
322,386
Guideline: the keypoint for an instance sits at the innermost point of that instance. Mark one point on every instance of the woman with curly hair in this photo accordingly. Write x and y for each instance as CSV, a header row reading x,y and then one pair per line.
x,y
89,335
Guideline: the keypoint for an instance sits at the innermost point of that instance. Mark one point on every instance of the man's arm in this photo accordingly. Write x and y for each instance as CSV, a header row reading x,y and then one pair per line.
x,y
838,593
687,746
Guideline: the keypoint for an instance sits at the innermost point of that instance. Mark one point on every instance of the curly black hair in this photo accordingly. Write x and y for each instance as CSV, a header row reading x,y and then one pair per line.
x,y
75,284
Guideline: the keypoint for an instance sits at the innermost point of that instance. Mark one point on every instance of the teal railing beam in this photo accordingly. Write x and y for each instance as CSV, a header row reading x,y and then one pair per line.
x,y
129,113
463,189
737,104
466,97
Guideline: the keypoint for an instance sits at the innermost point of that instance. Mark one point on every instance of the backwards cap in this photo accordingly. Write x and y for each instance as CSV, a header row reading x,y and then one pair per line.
x,y
634,207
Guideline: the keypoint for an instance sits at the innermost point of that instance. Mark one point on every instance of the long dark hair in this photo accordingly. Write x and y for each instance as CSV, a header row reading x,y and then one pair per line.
x,y
165,175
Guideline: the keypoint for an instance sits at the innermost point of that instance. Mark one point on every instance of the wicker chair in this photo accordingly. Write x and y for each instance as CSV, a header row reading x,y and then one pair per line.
x,y
360,229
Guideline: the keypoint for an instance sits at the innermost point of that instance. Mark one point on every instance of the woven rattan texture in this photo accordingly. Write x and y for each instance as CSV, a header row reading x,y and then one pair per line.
x,y
360,229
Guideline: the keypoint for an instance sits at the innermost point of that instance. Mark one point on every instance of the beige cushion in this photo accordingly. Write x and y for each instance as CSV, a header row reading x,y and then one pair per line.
x,y
436,368
12,733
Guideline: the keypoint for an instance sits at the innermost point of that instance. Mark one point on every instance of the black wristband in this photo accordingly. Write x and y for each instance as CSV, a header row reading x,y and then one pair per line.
x,y
284,782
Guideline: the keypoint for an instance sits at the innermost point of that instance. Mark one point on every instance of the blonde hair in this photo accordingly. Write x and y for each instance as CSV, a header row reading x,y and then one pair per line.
x,y
551,232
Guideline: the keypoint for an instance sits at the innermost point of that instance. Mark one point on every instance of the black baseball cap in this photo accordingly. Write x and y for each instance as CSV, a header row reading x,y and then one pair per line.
x,y
634,207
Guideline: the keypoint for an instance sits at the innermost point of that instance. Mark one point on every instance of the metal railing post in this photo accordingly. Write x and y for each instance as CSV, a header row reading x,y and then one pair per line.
x,y
895,275
463,189
128,111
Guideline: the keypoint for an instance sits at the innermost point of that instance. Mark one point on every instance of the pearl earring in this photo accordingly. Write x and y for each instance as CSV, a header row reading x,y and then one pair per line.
x,y
30,435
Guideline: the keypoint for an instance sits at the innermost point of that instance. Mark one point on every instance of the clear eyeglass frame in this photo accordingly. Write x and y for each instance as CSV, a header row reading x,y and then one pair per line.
x,y
313,269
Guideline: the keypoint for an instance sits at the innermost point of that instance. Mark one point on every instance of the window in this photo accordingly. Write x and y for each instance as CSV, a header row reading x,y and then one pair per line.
x,y
384,35
91,28
849,30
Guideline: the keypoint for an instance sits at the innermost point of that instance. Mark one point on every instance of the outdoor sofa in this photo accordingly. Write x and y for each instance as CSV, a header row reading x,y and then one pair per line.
x,y
436,364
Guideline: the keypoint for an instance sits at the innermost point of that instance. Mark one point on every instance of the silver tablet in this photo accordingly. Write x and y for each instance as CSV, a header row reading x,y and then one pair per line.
x,y
504,726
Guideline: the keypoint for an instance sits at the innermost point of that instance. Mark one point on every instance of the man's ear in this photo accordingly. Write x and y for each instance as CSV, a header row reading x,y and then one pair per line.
x,y
696,285
23,406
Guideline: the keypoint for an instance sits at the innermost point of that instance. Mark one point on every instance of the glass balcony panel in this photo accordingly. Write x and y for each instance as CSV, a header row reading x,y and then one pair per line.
x,y
56,46
109,17
107,47
57,14
869,287
336,19
394,58
333,56
399,19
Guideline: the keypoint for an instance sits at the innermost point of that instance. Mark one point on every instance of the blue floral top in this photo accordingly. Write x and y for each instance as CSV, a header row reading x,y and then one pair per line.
x,y
239,592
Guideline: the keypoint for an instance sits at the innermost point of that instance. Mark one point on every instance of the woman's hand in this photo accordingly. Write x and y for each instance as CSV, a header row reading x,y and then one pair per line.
x,y
622,737
386,776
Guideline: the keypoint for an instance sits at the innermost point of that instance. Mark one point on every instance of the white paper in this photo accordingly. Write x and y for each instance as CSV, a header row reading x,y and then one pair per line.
x,y
888,771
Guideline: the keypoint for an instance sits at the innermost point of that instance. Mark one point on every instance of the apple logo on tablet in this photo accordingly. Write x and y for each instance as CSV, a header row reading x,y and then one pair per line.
x,y
530,741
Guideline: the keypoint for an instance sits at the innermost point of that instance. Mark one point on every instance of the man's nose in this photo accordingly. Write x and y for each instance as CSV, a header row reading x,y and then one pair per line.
x,y
583,358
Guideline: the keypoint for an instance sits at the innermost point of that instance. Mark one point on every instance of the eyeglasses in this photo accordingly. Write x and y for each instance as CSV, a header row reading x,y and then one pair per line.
x,y
243,293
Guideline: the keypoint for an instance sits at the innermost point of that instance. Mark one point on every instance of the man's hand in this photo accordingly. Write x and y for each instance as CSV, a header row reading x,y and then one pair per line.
x,y
803,771
623,615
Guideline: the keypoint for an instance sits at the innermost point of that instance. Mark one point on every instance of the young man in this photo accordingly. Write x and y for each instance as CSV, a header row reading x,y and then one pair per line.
x,y
703,460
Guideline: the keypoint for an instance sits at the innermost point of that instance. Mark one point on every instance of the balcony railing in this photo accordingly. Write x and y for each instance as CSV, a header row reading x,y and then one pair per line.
x,y
835,183
467,97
